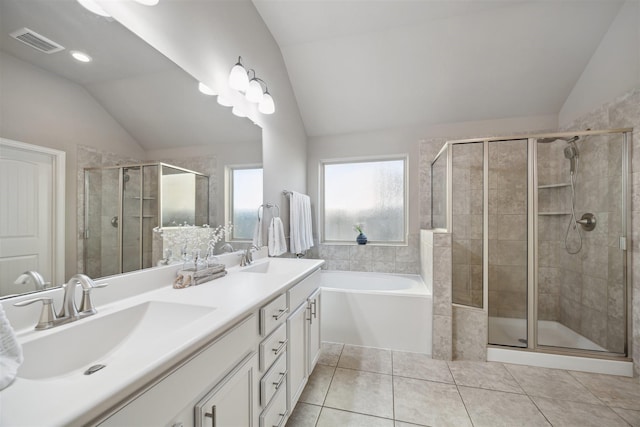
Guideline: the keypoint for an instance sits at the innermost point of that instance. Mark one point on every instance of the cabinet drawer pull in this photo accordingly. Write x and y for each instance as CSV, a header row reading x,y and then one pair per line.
x,y
283,375
281,313
283,344
282,417
212,415
314,311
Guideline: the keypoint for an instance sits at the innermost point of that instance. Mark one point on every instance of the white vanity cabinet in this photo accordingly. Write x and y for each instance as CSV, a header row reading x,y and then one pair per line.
x,y
224,373
230,403
303,330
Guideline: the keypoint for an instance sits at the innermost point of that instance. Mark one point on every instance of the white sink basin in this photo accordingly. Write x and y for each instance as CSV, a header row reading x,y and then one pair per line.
x,y
89,341
271,267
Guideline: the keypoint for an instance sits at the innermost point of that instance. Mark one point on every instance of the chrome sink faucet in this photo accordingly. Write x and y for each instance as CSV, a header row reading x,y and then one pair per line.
x,y
35,277
69,311
247,257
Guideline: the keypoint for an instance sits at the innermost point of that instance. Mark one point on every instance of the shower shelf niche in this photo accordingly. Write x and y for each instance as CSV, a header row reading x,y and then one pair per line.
x,y
554,213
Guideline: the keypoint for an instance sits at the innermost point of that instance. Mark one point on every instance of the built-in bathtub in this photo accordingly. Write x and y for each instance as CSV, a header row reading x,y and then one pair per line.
x,y
381,310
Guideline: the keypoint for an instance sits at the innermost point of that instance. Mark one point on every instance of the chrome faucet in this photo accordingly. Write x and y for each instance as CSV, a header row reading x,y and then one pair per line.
x,y
247,258
35,277
69,311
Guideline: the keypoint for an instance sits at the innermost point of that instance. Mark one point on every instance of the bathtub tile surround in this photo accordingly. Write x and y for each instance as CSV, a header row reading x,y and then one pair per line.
x,y
465,393
436,271
371,257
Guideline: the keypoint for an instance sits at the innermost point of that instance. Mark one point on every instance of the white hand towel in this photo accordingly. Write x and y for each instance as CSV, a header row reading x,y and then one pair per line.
x,y
277,242
300,223
10,352
257,233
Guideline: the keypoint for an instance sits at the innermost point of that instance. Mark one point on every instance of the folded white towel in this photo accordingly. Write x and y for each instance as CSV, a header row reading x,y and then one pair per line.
x,y
10,352
257,233
276,240
300,223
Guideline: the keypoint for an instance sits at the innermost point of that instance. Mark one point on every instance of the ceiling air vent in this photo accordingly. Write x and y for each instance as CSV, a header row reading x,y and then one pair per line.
x,y
36,41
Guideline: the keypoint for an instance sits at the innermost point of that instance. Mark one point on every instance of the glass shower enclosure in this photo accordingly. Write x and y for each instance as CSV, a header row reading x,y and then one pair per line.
x,y
123,204
539,228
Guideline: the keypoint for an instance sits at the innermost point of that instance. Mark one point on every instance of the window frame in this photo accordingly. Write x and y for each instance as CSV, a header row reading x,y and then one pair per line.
x,y
228,197
363,159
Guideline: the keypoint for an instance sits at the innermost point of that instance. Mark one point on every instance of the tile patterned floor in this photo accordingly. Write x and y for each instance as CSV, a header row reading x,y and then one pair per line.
x,y
360,386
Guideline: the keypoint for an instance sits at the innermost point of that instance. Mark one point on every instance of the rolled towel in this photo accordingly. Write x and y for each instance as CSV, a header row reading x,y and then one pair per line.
x,y
10,352
277,242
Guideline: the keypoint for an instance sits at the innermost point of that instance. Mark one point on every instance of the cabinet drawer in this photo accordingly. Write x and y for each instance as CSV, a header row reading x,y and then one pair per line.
x,y
273,314
273,380
272,347
276,412
300,292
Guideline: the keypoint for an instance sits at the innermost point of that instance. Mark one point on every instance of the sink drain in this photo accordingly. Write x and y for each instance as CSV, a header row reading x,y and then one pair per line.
x,y
94,369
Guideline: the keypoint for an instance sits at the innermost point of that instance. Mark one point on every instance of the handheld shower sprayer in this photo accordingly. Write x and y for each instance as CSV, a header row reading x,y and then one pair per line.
x,y
571,153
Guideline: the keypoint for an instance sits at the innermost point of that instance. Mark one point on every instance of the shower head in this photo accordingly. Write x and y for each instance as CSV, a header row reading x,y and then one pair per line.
x,y
560,138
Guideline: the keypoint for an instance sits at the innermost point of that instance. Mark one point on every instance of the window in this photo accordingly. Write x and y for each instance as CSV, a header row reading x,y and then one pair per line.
x,y
368,192
244,196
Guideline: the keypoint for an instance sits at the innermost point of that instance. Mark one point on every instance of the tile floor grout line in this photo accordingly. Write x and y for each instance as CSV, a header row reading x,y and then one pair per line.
x,y
335,368
455,383
393,392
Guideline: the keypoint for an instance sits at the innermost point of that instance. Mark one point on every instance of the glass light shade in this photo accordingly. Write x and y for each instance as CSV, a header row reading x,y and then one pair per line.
x,y
94,7
205,89
238,78
224,101
148,2
254,91
238,112
267,106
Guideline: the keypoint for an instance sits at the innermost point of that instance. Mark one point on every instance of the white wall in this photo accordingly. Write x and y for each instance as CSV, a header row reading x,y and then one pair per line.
x,y
40,108
614,68
205,38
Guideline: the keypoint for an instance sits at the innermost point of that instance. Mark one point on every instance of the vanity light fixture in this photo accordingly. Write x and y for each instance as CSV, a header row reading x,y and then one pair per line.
x,y
267,106
237,111
238,78
224,101
250,87
254,89
80,56
94,7
205,89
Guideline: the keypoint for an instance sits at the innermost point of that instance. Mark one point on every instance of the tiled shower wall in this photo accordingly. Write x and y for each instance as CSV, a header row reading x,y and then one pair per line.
x,y
624,112
91,157
583,291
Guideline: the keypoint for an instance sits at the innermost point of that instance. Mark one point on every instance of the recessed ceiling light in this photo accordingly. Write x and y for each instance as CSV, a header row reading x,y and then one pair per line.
x,y
94,7
205,89
80,56
148,2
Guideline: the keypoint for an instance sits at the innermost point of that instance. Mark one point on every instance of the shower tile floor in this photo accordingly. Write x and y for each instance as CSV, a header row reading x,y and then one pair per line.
x,y
369,387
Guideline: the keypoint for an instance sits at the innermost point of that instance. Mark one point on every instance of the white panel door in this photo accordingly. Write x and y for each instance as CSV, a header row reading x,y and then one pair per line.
x,y
26,216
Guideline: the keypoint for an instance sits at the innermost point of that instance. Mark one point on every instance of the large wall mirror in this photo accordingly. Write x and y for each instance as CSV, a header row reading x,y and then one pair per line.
x,y
129,105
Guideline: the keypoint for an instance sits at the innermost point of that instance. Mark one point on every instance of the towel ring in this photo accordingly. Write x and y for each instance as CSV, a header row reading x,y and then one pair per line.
x,y
269,206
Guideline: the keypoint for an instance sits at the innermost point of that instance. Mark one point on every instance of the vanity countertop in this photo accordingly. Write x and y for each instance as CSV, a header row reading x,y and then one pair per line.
x,y
75,399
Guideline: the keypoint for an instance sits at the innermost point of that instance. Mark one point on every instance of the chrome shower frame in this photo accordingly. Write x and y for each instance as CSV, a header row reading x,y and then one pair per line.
x,y
532,227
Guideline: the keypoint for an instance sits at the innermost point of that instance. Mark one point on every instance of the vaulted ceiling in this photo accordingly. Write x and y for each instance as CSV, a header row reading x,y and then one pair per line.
x,y
362,65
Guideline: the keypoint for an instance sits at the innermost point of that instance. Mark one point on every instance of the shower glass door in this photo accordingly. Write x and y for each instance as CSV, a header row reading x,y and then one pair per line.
x,y
508,242
581,293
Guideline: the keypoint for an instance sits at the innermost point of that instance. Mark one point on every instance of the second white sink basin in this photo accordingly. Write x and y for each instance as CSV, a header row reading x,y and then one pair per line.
x,y
272,267
81,344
